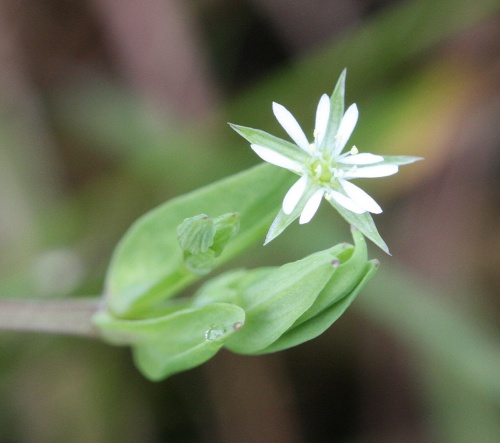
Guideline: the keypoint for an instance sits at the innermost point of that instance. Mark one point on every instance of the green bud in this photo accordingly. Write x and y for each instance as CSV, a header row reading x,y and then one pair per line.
x,y
203,238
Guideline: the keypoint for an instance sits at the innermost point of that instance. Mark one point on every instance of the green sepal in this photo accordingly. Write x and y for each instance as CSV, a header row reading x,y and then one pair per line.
x,y
336,114
262,138
178,341
282,220
399,160
364,222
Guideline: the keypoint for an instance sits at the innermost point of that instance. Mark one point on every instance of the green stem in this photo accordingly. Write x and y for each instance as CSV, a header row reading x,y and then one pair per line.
x,y
73,317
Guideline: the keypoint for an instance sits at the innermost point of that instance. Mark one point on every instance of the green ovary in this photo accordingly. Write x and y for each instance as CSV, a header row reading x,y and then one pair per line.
x,y
320,171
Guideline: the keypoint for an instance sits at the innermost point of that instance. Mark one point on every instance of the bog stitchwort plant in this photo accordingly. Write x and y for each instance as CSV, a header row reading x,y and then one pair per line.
x,y
324,169
246,311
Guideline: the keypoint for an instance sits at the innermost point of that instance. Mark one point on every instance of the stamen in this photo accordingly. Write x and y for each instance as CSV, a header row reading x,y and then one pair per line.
x,y
318,170
354,150
312,148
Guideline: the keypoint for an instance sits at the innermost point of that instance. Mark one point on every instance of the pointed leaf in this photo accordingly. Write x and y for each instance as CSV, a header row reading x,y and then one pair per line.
x,y
175,342
320,323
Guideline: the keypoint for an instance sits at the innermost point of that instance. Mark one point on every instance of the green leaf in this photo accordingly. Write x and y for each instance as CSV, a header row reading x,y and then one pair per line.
x,y
148,267
279,145
175,342
400,159
273,303
322,321
336,113
351,268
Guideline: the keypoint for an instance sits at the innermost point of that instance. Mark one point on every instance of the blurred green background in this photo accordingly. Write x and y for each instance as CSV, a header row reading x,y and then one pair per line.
x,y
109,108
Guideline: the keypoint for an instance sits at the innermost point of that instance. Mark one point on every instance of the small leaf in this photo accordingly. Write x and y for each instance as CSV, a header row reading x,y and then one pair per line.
x,y
175,342
203,239
196,234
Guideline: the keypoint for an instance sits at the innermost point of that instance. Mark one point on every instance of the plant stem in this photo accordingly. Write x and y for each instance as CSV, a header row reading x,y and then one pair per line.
x,y
71,317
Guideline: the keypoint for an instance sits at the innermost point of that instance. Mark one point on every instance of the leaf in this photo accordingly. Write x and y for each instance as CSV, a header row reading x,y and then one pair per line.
x,y
351,268
147,266
320,323
175,342
272,304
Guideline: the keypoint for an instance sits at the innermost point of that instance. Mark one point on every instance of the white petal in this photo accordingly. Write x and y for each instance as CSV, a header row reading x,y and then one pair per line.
x,y
311,207
294,194
274,158
291,126
372,171
361,159
360,197
322,116
346,127
346,202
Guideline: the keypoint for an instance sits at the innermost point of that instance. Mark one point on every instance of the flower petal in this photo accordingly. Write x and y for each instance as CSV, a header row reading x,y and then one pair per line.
x,y
346,127
274,158
311,206
346,202
322,116
360,197
372,171
291,126
361,159
294,194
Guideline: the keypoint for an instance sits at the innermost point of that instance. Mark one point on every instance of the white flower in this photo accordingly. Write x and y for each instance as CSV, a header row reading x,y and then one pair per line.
x,y
324,170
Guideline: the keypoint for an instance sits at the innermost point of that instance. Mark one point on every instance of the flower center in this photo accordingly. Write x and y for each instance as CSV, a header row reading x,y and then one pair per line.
x,y
320,170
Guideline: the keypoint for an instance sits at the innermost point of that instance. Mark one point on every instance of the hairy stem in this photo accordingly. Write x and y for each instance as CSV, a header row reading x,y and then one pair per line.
x,y
71,317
